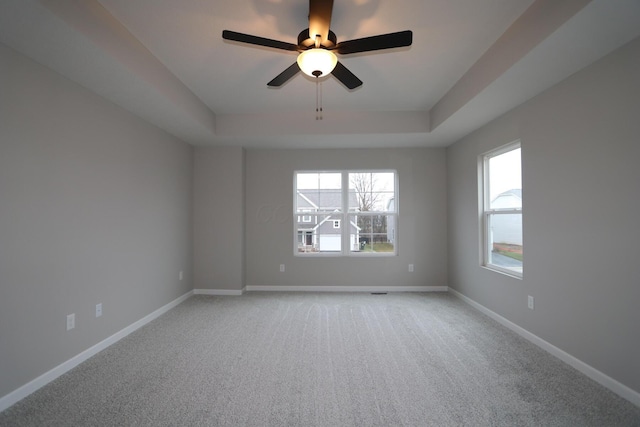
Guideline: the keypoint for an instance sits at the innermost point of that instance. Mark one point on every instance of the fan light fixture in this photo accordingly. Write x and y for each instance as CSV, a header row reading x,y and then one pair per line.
x,y
317,62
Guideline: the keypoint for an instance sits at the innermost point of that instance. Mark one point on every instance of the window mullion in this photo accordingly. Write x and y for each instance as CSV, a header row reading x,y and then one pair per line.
x,y
504,211
344,229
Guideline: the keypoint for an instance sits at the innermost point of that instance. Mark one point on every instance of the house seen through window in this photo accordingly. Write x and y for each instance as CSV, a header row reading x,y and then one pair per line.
x,y
345,212
502,210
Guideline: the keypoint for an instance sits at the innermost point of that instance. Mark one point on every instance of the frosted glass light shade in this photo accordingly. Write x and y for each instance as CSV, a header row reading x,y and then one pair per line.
x,y
317,62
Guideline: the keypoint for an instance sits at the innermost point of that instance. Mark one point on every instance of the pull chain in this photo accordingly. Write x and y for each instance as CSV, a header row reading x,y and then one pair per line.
x,y
318,99
321,117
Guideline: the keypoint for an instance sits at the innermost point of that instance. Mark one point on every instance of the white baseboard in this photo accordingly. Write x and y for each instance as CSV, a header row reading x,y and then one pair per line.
x,y
47,377
347,288
601,378
225,292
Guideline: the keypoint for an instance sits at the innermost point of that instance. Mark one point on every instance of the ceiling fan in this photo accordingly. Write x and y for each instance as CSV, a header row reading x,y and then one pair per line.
x,y
317,46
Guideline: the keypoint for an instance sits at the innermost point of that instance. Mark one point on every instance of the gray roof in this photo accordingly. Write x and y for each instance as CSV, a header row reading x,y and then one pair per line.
x,y
327,199
514,192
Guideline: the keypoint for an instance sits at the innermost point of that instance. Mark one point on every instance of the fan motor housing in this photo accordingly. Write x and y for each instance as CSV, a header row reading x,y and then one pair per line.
x,y
305,40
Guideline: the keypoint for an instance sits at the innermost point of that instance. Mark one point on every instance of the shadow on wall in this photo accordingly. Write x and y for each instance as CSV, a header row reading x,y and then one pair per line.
x,y
291,16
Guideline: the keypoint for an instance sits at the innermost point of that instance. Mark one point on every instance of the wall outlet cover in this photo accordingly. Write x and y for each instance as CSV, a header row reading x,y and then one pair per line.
x,y
71,321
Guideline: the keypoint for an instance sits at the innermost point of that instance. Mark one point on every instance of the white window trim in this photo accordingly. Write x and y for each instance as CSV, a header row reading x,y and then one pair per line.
x,y
485,212
345,214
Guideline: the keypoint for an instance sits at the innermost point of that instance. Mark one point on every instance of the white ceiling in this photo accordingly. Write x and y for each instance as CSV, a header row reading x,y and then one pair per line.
x,y
166,61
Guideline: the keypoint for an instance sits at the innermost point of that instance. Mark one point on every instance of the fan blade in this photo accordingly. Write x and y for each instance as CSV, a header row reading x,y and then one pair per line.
x,y
346,77
260,41
320,19
284,76
383,41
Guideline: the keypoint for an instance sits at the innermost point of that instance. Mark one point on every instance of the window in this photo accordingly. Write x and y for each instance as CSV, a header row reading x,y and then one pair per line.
x,y
304,218
352,213
502,210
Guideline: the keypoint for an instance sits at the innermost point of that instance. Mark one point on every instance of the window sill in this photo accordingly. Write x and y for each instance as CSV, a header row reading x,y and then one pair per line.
x,y
502,271
340,255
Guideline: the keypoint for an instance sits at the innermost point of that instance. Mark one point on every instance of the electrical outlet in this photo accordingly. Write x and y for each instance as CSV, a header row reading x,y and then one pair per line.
x,y
530,302
98,310
410,268
180,275
71,321
281,268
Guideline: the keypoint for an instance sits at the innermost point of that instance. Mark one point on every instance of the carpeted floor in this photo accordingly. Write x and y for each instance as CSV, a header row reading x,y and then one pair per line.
x,y
323,359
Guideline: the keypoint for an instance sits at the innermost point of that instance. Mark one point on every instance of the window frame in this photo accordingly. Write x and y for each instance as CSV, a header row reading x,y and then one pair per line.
x,y
486,212
345,215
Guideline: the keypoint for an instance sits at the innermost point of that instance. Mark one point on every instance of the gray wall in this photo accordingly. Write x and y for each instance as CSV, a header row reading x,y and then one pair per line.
x,y
422,219
581,189
95,207
218,226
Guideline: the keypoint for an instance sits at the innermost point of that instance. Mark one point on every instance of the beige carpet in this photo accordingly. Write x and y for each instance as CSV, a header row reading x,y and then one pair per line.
x,y
323,359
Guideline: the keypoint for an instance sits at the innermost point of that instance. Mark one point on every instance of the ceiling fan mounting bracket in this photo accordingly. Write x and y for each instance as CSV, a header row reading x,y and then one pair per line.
x,y
305,40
